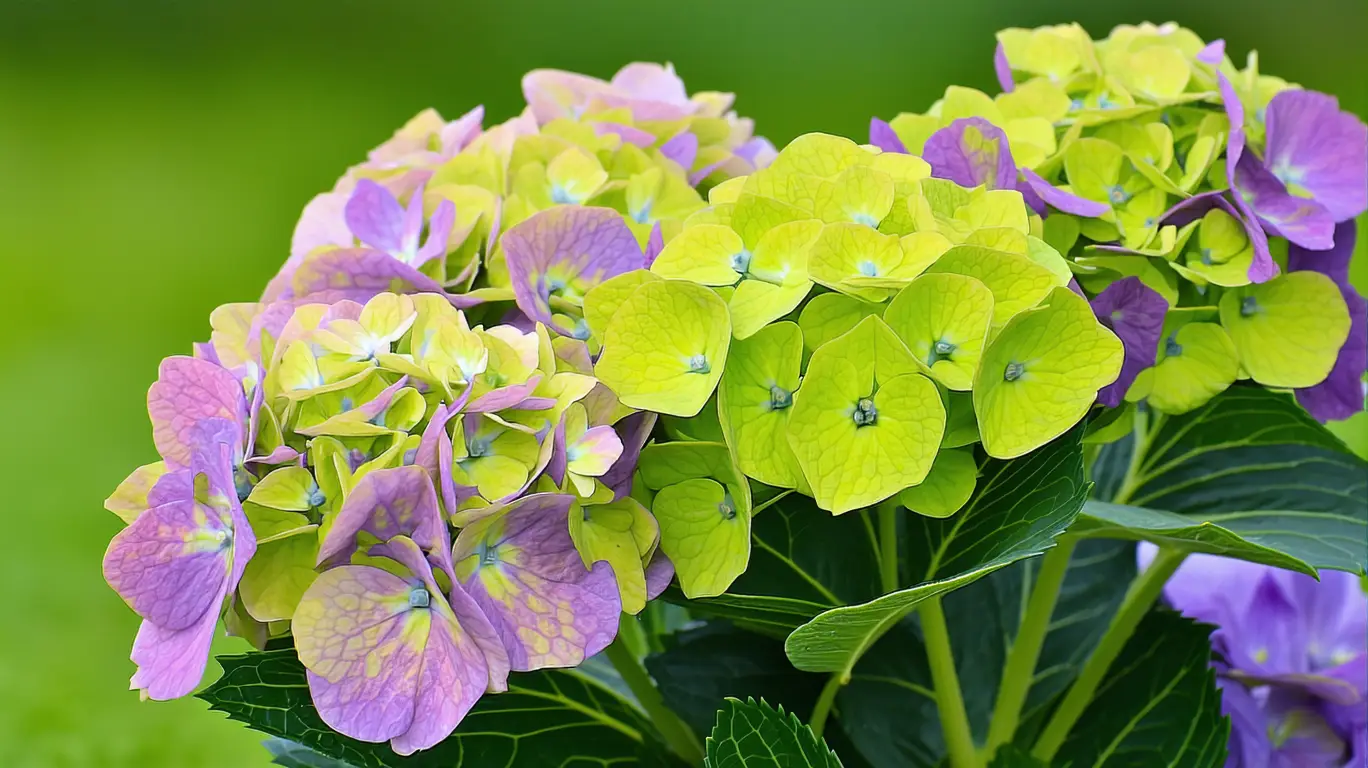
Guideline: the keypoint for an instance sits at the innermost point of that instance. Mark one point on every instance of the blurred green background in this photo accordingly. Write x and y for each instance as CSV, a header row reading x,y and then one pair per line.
x,y
155,154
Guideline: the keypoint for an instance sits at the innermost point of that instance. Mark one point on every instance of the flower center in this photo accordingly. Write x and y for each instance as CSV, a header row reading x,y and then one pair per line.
x,y
1013,372
419,598
865,414
780,398
699,364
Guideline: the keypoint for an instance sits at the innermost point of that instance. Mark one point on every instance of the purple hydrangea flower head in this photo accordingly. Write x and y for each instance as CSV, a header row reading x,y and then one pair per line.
x,y
178,562
522,568
1293,657
1341,395
1135,313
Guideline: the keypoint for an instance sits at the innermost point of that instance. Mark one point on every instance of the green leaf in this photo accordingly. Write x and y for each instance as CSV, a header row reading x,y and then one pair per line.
x,y
891,686
754,735
550,717
803,561
1158,706
703,666
1248,475
1017,510
291,755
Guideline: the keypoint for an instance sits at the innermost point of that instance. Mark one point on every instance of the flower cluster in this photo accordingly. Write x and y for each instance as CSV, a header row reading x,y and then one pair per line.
x,y
400,457
1206,209
1292,664
845,326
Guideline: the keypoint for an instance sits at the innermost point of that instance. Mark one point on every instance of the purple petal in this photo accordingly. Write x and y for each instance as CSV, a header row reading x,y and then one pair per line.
x,y
171,662
699,175
186,392
366,411
439,232
1299,219
1249,745
172,486
322,223
552,93
1263,268
387,503
375,217
654,245
1318,147
1270,638
682,149
627,133
567,247
413,226
359,274
1212,53
530,581
504,397
659,573
171,563
882,135
352,618
1002,68
634,430
759,152
971,151
1135,313
458,133
1341,394
1061,200
555,467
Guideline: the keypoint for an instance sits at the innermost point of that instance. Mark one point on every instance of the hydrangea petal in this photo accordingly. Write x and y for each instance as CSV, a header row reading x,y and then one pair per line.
x,y
947,486
566,249
882,135
1288,331
1263,267
970,152
358,274
1041,374
375,217
1301,220
171,563
1341,394
187,391
387,503
754,399
615,533
1196,362
665,347
1059,199
521,566
1135,313
944,319
130,498
1319,148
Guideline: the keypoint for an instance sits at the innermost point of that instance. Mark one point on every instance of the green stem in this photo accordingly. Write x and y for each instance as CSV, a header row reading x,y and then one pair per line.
x,y
1141,595
888,545
1139,445
1019,672
949,701
819,712
678,735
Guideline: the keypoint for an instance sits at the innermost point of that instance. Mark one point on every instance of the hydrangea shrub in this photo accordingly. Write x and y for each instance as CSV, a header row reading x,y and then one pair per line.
x,y
565,440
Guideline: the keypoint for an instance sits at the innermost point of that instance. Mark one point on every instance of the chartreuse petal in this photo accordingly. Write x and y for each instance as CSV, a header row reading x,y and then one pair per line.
x,y
1289,330
270,524
620,533
665,348
728,191
864,424
709,254
860,195
830,315
851,251
775,279
1206,147
1040,375
947,487
961,423
603,301
754,401
704,534
961,102
702,504
1222,253
754,215
288,488
1197,361
1094,170
1037,98
1017,282
278,574
944,320
998,238
575,175
130,498
913,130
1105,268
821,155
1158,72
995,208
1045,255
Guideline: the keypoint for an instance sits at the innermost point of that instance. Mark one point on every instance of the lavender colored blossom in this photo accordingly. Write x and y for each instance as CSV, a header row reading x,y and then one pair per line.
x,y
1135,313
1341,395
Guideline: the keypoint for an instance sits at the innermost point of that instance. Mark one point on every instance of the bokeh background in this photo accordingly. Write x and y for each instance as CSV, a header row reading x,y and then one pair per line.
x,y
154,155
